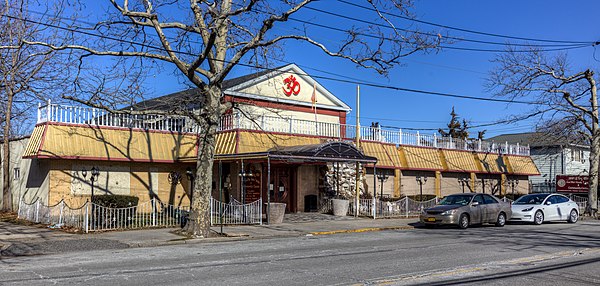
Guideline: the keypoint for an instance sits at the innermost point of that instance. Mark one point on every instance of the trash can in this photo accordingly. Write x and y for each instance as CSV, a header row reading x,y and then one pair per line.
x,y
310,203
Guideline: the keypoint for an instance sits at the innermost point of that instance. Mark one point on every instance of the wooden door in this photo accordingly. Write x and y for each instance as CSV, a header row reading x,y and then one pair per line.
x,y
283,188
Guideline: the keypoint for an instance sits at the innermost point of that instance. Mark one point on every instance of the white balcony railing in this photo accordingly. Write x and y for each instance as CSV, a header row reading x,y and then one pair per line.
x,y
98,117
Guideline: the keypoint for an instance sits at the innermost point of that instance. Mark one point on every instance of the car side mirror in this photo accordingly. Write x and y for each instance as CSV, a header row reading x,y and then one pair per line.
x,y
475,204
548,203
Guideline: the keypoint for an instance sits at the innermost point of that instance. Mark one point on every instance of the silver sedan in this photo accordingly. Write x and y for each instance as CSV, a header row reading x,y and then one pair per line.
x,y
467,209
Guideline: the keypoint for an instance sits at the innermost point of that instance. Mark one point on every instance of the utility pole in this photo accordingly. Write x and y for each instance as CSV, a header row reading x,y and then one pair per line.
x,y
356,185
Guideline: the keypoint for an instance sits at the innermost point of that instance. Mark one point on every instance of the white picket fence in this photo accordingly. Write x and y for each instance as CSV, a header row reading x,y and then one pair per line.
x,y
88,116
376,208
92,217
235,212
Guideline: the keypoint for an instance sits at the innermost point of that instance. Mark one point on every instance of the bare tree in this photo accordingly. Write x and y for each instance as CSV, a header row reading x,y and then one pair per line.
x,y
567,99
205,40
27,73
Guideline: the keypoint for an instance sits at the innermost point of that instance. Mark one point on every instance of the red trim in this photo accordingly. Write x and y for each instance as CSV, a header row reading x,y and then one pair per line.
x,y
108,159
420,169
342,117
283,106
380,166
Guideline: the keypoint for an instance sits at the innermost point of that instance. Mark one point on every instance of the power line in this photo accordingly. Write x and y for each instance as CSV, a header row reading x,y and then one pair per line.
x,y
375,85
562,48
430,34
465,30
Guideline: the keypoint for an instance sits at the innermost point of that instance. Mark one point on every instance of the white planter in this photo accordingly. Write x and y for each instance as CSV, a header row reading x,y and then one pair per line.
x,y
276,212
340,207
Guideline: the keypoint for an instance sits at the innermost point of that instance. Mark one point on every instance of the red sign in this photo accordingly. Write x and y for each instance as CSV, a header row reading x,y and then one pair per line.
x,y
292,86
572,184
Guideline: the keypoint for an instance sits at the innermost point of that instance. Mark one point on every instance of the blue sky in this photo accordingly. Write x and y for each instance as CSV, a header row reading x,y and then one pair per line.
x,y
449,71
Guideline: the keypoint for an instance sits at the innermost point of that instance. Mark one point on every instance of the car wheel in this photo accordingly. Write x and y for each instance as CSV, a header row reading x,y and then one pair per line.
x,y
463,221
538,218
501,221
573,216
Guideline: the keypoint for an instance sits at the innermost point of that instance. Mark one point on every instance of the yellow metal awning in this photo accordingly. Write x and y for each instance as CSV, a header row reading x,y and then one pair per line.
x,y
521,165
96,143
419,158
460,161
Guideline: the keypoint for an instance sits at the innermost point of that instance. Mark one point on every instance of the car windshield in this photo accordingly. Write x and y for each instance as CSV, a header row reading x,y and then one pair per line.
x,y
462,200
535,199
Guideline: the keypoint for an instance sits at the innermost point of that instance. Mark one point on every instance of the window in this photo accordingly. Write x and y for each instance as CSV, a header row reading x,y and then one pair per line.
x,y
489,199
577,155
16,174
479,199
561,199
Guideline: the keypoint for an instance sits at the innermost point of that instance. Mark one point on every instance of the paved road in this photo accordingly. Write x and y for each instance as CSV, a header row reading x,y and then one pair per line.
x,y
557,253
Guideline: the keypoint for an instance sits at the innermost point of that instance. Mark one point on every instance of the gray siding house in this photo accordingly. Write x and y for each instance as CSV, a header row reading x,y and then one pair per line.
x,y
553,156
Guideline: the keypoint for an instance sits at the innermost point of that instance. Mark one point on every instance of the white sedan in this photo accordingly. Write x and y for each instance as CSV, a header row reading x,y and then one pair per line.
x,y
538,208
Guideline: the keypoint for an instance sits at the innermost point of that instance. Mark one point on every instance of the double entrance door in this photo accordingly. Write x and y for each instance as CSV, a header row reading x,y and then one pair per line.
x,y
281,187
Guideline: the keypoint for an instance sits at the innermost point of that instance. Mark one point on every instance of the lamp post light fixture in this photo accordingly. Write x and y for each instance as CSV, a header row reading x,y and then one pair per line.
x,y
383,176
463,181
174,177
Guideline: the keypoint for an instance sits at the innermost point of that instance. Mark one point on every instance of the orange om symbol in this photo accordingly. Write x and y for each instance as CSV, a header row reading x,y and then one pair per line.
x,y
291,86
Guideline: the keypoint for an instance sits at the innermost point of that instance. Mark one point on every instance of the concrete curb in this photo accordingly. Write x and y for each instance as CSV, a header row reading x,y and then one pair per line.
x,y
367,229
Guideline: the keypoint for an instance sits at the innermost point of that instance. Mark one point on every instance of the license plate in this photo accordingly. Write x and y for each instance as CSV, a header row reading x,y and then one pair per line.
x,y
430,219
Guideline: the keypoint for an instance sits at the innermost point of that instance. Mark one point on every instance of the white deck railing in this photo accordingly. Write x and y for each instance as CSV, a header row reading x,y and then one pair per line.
x,y
174,123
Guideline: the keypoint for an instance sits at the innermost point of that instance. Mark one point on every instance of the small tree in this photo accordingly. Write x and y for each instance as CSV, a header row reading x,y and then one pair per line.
x,y
568,98
456,129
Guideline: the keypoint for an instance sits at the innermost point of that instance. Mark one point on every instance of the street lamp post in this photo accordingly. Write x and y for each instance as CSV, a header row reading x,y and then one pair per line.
x,y
94,173
513,183
382,176
463,182
421,180
190,175
94,176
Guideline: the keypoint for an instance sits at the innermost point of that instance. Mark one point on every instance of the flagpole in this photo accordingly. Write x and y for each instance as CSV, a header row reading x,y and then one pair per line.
x,y
313,99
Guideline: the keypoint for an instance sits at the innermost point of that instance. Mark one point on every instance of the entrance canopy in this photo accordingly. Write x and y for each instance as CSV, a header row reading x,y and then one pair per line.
x,y
326,152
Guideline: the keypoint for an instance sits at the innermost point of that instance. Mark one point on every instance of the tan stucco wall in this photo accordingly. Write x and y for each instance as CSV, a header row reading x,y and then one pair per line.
x,y
388,185
410,187
144,181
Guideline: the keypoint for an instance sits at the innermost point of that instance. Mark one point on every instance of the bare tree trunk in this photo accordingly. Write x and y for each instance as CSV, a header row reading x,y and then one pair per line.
x,y
6,194
198,224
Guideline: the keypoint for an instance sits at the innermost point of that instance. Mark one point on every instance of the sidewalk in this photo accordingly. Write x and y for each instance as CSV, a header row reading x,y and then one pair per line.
x,y
16,240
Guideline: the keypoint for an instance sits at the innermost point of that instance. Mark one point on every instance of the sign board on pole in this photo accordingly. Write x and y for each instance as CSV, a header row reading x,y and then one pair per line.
x,y
572,184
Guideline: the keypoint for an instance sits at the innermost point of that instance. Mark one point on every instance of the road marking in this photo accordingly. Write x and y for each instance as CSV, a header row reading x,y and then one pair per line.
x,y
367,229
